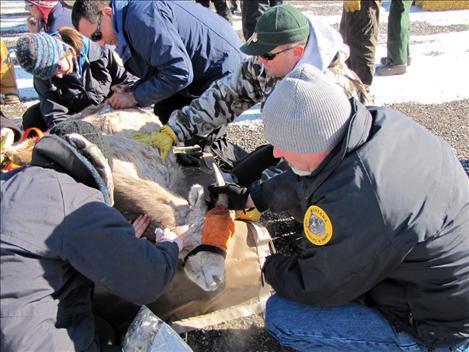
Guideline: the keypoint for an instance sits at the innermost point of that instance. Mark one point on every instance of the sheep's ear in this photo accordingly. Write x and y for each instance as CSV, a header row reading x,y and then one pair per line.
x,y
196,196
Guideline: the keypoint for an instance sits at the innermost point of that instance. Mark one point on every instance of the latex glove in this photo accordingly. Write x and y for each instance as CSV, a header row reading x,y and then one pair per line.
x,y
163,140
167,235
352,5
121,88
122,100
237,195
218,228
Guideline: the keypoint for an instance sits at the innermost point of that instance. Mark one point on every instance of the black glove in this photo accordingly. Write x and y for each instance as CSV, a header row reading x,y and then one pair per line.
x,y
188,160
237,195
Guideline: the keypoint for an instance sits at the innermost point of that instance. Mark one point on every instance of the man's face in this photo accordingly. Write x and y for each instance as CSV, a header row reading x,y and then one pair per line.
x,y
286,58
104,25
303,162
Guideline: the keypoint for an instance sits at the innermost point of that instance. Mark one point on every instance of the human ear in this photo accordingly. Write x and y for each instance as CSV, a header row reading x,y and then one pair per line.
x,y
106,10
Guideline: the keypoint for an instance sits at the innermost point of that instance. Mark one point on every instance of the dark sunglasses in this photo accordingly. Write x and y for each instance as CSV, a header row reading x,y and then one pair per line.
x,y
271,56
97,34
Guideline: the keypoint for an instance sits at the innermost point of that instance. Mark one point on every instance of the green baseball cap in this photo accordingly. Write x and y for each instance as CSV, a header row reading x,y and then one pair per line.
x,y
279,25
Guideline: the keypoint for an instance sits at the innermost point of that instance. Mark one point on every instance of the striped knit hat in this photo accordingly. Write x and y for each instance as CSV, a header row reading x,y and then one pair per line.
x,y
40,54
306,112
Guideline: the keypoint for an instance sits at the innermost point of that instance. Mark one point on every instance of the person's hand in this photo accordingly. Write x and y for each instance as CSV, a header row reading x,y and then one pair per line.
x,y
121,88
33,24
166,235
237,195
352,5
163,140
122,100
218,228
140,224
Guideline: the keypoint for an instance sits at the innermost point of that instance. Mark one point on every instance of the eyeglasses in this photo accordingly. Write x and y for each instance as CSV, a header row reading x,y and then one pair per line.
x,y
271,56
97,34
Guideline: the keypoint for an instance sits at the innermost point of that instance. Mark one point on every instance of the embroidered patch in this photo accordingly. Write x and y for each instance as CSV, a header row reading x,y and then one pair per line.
x,y
252,38
317,226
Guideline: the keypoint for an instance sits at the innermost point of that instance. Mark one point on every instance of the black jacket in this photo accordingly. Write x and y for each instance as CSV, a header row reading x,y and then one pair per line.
x,y
397,200
57,238
61,97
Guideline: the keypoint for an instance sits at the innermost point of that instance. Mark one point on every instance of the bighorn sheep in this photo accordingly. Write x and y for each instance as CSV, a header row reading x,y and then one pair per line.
x,y
145,184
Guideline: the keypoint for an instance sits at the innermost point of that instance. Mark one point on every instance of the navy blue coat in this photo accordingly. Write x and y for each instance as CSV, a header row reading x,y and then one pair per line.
x,y
174,47
397,202
59,17
57,238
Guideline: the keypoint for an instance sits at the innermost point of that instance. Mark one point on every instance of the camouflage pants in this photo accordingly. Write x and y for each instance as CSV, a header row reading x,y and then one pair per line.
x,y
360,32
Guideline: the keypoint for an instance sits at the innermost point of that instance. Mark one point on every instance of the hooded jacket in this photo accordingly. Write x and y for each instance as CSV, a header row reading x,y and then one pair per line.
x,y
174,47
230,96
397,202
60,98
58,237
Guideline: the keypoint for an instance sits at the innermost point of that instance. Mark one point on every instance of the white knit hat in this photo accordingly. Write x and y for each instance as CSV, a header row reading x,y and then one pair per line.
x,y
306,112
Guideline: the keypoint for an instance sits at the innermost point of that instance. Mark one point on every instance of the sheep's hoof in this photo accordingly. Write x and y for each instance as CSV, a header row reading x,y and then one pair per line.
x,y
206,270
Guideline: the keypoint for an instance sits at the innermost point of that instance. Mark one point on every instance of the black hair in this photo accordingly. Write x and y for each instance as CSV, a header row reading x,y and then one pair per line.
x,y
87,9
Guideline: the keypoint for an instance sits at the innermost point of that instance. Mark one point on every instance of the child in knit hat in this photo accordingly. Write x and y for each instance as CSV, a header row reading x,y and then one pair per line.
x,y
70,73
45,56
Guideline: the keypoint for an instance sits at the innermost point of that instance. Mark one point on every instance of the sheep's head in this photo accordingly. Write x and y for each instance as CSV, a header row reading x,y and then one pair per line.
x,y
205,269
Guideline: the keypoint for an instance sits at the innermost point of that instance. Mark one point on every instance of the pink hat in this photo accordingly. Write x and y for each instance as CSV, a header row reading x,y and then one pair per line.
x,y
45,6
44,3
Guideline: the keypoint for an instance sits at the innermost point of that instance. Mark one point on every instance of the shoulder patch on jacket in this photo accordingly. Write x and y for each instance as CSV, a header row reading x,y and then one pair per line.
x,y
317,226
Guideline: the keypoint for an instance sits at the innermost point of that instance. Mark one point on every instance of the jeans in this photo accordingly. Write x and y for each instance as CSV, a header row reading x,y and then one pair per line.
x,y
352,327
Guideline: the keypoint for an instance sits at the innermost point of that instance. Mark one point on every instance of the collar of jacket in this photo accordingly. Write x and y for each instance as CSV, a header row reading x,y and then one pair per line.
x,y
357,133
94,51
119,12
53,152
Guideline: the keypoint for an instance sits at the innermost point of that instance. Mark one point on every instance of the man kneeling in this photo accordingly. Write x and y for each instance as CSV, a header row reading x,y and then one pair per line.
x,y
384,264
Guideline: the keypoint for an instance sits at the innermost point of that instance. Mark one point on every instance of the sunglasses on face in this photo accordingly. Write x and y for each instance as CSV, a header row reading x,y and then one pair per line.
x,y
271,56
97,34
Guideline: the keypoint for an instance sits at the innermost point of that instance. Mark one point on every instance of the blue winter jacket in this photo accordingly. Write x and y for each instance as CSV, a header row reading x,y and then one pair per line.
x,y
174,47
58,237
59,17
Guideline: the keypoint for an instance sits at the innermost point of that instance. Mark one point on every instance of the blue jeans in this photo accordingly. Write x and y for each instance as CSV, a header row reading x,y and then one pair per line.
x,y
352,327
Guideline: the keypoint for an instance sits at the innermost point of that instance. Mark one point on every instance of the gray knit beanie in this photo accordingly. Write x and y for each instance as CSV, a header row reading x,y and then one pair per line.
x,y
306,112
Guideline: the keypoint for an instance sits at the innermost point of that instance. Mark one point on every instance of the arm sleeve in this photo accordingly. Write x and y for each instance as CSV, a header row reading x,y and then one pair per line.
x,y
278,193
100,244
162,48
223,101
53,109
360,254
118,73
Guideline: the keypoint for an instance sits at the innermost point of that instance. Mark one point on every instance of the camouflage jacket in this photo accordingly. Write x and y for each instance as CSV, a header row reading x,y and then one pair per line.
x,y
230,96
